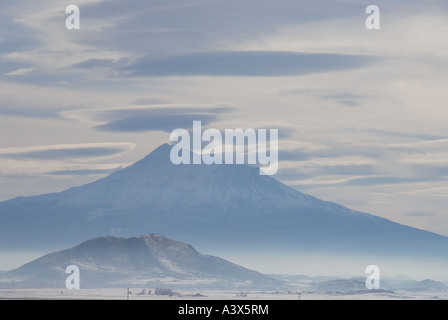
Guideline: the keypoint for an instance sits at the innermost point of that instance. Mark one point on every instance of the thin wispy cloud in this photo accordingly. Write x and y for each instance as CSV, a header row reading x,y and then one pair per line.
x,y
83,172
68,151
247,63
149,118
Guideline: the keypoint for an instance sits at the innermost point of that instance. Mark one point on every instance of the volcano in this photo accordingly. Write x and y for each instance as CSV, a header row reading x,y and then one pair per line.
x,y
213,206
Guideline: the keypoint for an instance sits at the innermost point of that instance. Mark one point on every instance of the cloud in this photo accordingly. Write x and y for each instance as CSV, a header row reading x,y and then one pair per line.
x,y
423,138
299,165
247,63
178,26
66,152
149,122
18,109
345,98
323,180
385,180
95,63
20,72
149,118
150,101
169,119
419,214
293,155
82,172
317,162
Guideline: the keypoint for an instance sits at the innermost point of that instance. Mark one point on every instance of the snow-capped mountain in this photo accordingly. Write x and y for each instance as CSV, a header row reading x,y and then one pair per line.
x,y
229,206
148,260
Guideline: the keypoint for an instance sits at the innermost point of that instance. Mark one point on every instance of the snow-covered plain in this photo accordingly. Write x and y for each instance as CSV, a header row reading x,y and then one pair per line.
x,y
135,294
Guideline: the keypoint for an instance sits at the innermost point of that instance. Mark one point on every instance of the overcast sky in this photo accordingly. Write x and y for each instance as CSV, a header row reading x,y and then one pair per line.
x,y
362,114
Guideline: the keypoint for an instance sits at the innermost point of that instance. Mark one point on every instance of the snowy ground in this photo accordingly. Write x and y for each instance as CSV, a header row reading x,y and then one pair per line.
x,y
121,294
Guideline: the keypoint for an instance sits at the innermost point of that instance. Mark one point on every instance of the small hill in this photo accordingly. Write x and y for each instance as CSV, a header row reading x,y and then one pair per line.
x,y
147,260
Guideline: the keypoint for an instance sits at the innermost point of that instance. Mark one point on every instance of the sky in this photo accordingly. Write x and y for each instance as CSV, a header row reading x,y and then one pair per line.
x,y
361,114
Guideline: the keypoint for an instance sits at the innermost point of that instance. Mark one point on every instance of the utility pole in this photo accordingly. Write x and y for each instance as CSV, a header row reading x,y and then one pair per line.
x,y
127,294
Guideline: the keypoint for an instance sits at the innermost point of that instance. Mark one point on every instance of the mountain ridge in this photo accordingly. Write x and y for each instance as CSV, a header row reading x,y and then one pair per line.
x,y
145,260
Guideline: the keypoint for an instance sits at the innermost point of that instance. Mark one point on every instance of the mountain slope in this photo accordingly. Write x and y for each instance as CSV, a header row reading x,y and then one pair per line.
x,y
220,205
138,261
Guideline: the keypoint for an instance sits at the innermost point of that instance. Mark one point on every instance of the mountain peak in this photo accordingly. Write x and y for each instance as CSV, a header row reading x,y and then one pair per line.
x,y
228,205
161,153
162,149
